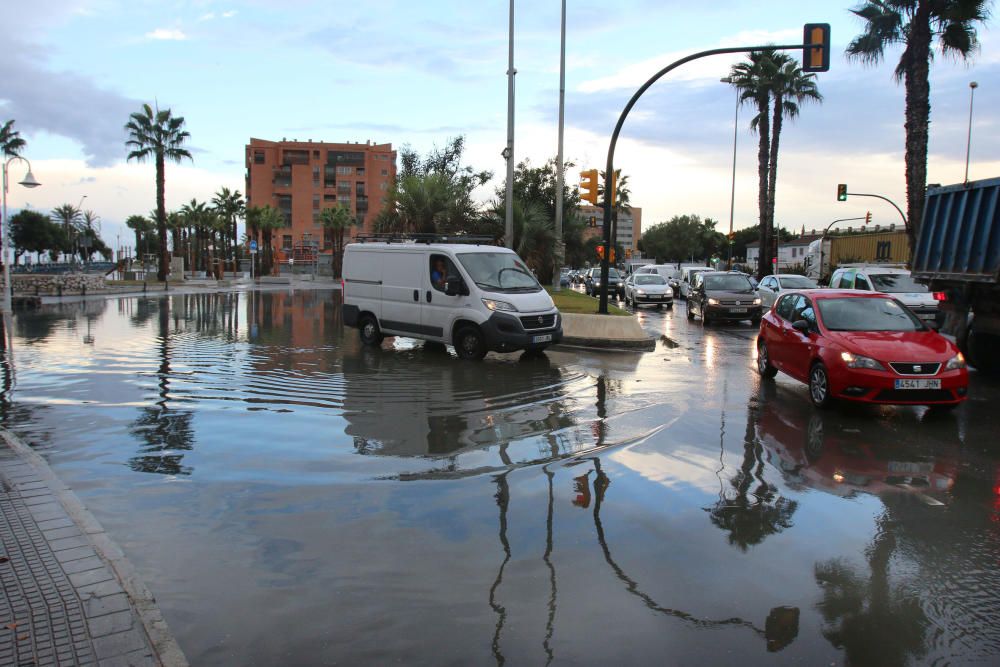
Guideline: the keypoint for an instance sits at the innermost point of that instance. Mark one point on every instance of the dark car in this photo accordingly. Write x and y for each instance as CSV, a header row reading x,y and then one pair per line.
x,y
592,283
720,295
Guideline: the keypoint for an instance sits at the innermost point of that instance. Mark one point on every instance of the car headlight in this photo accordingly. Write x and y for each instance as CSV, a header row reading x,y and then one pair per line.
x,y
640,292
756,301
858,361
713,302
499,305
956,362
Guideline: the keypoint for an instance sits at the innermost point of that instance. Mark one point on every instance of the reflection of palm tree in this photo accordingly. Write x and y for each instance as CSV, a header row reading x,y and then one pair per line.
x,y
163,430
547,557
871,620
752,515
503,502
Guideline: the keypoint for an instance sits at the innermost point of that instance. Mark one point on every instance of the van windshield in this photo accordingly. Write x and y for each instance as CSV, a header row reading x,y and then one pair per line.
x,y
499,272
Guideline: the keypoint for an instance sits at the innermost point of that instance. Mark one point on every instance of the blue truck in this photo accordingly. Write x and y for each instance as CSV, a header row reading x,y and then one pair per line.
x,y
958,254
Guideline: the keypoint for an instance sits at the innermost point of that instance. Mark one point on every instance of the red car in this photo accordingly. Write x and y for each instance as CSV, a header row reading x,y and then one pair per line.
x,y
859,346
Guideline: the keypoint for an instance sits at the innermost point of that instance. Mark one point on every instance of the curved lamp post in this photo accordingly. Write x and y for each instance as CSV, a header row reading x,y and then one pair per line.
x,y
28,182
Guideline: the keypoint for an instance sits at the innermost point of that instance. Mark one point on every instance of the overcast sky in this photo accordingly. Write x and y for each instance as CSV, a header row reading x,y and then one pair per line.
x,y
418,73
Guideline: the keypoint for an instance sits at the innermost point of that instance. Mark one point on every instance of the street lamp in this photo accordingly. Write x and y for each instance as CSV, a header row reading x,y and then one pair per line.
x,y
732,195
28,182
968,144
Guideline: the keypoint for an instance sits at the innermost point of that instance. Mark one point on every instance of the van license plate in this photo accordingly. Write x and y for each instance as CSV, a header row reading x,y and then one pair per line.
x,y
547,338
737,310
918,384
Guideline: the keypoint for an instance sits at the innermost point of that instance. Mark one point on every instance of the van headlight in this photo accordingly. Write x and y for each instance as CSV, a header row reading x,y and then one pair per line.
x,y
858,361
493,304
713,302
756,301
956,362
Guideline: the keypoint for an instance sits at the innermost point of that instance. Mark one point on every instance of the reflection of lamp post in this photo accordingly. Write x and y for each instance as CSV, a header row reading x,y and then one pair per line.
x,y
968,143
28,182
732,195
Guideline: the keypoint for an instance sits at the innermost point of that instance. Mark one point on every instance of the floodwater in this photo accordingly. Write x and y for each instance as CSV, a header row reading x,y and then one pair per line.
x,y
292,498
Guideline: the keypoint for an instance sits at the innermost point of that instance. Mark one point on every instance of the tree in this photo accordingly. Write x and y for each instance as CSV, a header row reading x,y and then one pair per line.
x,y
337,220
31,231
621,199
266,220
682,238
231,207
11,143
158,136
916,24
69,217
141,226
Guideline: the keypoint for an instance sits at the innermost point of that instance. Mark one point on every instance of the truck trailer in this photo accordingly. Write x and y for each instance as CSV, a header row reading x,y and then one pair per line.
x,y
824,255
958,254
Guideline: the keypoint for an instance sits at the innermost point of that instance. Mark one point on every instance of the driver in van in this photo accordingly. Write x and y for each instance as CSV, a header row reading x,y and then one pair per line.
x,y
439,274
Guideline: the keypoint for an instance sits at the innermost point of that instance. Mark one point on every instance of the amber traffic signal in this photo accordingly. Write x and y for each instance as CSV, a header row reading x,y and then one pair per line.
x,y
816,47
600,252
588,186
868,218
842,192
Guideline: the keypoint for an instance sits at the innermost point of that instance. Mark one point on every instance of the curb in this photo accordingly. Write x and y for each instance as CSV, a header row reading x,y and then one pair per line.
x,y
162,641
608,344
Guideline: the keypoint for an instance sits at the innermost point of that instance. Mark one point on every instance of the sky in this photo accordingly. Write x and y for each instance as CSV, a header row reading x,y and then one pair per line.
x,y
418,73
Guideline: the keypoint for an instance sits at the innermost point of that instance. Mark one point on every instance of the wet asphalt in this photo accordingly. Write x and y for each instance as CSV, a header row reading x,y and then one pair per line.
x,y
293,498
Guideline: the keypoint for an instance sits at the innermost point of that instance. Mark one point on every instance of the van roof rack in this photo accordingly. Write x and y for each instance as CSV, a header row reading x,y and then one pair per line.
x,y
471,239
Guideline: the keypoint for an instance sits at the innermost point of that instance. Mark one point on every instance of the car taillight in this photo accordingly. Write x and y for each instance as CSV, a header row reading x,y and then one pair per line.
x,y
341,285
940,296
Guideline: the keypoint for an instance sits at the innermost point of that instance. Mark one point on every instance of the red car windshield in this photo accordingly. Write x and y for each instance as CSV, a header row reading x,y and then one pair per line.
x,y
867,314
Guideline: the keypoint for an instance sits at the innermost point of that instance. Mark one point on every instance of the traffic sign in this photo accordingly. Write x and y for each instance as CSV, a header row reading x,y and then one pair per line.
x,y
253,246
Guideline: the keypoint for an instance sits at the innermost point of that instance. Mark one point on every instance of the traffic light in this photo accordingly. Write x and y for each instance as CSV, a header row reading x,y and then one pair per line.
x,y
612,257
842,192
731,236
628,253
816,47
588,186
868,218
600,252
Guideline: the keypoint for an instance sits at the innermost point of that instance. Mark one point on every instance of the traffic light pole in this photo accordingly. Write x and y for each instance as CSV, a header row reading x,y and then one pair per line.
x,y
906,225
610,168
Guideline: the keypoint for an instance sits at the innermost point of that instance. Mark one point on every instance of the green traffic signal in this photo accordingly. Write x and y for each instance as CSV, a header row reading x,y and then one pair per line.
x,y
842,192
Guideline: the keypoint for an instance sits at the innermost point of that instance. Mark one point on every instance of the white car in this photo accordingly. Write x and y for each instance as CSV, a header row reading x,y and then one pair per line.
x,y
648,288
771,286
896,282
475,297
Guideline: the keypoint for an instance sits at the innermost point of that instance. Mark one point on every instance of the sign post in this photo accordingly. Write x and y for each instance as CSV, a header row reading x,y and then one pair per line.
x,y
253,257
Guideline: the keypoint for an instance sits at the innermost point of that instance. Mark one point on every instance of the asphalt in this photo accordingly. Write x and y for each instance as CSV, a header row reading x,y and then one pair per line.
x,y
69,596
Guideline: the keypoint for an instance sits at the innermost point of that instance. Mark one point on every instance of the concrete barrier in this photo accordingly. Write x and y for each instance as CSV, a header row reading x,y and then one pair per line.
x,y
614,332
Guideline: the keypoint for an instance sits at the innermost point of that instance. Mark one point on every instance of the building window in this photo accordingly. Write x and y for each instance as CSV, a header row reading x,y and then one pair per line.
x,y
315,202
285,207
345,171
385,172
329,179
383,186
344,188
286,242
359,188
315,155
344,200
258,157
360,171
296,157
315,177
283,176
330,198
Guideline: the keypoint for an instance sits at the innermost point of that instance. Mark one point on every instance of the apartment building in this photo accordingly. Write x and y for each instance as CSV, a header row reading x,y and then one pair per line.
x,y
629,225
301,178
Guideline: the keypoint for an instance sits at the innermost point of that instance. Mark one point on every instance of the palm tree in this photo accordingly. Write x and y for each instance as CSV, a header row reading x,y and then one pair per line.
x,y
195,214
142,226
69,216
160,136
915,24
790,87
231,206
337,219
265,219
11,143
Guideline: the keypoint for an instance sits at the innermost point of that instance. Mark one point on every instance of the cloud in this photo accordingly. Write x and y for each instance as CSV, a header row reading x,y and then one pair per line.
x,y
167,34
230,14
81,111
206,17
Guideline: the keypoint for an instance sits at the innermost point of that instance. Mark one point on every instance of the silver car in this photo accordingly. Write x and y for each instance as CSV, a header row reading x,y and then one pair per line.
x,y
648,288
772,286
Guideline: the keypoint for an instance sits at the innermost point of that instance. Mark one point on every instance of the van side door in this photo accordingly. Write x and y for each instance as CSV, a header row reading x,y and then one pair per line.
x,y
440,310
402,285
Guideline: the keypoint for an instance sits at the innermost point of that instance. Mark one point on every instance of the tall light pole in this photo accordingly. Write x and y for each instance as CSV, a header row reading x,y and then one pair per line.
x,y
28,182
508,152
968,143
732,194
559,253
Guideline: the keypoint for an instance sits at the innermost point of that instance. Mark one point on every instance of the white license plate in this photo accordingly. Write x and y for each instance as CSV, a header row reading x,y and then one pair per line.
x,y
547,338
737,310
918,384
910,467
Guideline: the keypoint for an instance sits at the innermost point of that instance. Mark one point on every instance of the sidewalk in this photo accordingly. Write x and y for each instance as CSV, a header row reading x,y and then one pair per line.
x,y
68,596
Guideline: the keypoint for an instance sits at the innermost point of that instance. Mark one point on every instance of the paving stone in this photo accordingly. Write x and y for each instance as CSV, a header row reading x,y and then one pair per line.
x,y
49,524
64,543
98,606
90,577
133,659
119,621
60,533
76,553
83,565
100,589
119,643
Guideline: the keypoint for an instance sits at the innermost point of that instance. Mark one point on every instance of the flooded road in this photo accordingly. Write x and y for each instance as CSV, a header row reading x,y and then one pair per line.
x,y
292,498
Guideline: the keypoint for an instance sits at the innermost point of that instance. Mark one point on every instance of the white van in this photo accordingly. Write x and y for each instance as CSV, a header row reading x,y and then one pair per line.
x,y
475,297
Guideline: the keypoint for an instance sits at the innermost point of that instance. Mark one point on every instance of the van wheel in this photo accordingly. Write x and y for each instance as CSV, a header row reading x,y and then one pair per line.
x,y
469,344
370,332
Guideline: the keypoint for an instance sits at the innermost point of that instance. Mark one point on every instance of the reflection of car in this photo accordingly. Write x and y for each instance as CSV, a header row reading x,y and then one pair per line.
x,y
593,281
650,288
719,295
771,286
825,454
896,282
859,346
